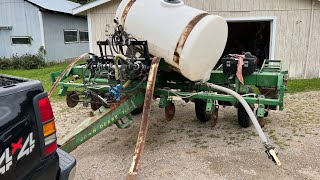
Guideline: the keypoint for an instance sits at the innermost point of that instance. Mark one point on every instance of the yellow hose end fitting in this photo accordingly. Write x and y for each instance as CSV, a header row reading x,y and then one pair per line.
x,y
274,156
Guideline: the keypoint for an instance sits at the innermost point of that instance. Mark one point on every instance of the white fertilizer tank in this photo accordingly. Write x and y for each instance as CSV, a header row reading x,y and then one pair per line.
x,y
188,39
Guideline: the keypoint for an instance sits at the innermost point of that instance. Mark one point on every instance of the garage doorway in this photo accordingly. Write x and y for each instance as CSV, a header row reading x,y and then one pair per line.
x,y
255,35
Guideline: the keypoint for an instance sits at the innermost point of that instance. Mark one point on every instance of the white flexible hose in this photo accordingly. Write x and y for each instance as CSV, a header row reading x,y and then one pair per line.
x,y
246,107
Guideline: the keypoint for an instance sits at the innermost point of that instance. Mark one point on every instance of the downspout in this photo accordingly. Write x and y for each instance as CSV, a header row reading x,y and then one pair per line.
x,y
89,20
309,38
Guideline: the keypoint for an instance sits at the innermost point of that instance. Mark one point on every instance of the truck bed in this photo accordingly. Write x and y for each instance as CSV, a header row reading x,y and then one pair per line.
x,y
13,85
6,81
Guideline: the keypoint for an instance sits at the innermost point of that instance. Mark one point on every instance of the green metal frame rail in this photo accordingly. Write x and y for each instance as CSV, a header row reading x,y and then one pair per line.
x,y
100,120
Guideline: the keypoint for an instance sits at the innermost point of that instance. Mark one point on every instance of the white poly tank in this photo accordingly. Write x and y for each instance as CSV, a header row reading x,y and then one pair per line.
x,y
190,40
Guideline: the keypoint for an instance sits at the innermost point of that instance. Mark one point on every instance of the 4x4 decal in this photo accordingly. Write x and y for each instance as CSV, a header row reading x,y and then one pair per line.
x,y
25,149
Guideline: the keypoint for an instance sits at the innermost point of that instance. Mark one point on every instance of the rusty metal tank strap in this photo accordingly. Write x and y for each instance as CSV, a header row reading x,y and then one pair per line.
x,y
126,11
185,34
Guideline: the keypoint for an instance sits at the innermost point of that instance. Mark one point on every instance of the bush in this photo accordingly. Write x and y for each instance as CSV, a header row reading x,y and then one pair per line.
x,y
26,61
5,63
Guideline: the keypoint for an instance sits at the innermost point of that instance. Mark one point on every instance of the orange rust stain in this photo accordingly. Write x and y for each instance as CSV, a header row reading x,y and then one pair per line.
x,y
184,36
126,11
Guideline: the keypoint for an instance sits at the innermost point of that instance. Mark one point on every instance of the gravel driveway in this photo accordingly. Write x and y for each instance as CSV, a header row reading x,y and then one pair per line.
x,y
185,148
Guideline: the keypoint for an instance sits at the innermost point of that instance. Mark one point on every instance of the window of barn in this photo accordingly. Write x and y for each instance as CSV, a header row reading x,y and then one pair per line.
x,y
84,36
21,40
70,36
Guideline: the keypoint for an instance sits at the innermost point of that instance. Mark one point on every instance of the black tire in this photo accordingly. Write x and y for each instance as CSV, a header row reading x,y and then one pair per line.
x,y
243,117
200,108
137,111
72,99
95,104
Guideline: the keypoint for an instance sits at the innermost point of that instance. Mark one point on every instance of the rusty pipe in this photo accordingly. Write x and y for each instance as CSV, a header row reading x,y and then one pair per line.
x,y
136,161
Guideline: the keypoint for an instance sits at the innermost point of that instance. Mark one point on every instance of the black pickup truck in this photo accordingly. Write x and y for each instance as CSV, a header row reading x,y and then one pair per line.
x,y
28,142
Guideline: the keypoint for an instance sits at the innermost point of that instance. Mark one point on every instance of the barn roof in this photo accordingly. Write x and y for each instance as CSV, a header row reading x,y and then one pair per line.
x,y
62,6
82,9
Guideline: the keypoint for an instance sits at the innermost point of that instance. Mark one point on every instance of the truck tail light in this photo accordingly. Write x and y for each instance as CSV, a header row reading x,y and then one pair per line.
x,y
45,110
48,125
50,148
49,128
50,139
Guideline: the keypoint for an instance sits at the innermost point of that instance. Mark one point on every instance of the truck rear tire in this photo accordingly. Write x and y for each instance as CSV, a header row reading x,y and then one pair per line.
x,y
200,108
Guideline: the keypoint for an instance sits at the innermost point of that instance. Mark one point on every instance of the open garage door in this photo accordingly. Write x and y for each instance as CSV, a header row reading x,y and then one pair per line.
x,y
251,35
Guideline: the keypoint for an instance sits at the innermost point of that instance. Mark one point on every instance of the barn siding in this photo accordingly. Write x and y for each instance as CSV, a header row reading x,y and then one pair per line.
x,y
102,22
292,34
313,65
23,17
54,26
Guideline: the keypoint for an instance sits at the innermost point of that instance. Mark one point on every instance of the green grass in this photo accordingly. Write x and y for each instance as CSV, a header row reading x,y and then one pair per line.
x,y
303,85
42,75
